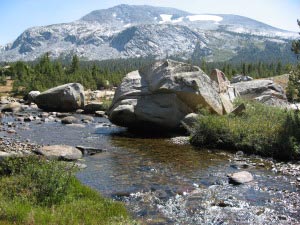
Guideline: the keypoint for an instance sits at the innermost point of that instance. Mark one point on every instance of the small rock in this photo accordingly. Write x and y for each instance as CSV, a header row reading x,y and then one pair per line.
x,y
298,179
87,119
32,95
79,111
5,155
100,113
12,107
62,115
240,177
223,204
11,131
93,107
4,101
69,120
239,153
20,119
89,150
45,120
80,165
64,152
282,217
28,119
189,121
76,125
44,115
10,124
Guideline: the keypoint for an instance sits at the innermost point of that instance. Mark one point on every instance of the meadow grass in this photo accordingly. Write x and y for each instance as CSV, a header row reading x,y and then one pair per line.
x,y
37,191
263,130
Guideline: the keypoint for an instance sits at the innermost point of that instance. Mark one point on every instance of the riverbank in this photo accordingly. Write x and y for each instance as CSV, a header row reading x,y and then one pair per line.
x,y
259,129
34,190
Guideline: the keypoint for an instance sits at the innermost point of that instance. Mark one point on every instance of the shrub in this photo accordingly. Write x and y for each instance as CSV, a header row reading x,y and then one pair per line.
x,y
42,182
34,190
263,130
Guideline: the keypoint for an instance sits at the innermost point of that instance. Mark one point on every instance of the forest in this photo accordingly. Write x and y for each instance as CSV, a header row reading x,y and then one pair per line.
x,y
45,73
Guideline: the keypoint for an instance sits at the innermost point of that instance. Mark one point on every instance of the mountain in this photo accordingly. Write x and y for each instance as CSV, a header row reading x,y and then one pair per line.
x,y
126,31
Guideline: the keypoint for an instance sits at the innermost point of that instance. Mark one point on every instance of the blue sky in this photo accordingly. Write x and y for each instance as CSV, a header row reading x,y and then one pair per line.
x,y
18,15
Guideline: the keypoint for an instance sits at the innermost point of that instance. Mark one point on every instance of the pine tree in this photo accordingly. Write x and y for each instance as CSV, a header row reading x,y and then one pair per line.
x,y
293,89
74,64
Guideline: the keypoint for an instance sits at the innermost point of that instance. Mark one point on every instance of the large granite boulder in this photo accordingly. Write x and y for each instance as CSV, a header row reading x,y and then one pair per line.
x,y
67,97
227,92
240,78
162,94
264,91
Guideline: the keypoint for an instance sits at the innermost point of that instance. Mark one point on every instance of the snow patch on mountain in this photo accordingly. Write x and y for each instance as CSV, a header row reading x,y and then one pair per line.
x,y
165,18
127,25
204,18
168,19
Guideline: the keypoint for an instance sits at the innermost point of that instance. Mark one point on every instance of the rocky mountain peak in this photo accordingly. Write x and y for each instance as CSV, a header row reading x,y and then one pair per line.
x,y
127,31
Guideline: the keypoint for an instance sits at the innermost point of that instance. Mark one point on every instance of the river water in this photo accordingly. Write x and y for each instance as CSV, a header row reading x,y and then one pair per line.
x,y
165,183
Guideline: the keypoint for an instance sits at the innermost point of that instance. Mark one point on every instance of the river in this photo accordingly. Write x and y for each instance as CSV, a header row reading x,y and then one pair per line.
x,y
165,183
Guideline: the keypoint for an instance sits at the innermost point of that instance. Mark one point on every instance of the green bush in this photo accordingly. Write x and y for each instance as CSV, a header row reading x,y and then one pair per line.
x,y
34,190
263,130
42,182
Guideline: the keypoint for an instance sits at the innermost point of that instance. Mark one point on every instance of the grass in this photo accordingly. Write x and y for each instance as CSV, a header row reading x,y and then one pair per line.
x,y
262,130
36,191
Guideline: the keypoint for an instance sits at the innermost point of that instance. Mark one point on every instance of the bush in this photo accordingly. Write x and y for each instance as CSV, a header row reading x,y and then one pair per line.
x,y
42,182
36,191
262,130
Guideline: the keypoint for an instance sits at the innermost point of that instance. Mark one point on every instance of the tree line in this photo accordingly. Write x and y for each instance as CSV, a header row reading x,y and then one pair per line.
x,y
46,73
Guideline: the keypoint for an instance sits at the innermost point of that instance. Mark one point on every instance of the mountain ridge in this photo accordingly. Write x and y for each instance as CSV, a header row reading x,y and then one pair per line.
x,y
126,31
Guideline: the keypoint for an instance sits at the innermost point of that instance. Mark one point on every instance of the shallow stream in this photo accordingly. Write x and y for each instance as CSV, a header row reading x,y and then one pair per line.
x,y
165,183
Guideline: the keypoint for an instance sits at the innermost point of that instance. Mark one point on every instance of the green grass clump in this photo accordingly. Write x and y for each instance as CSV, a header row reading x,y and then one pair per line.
x,y
36,191
261,129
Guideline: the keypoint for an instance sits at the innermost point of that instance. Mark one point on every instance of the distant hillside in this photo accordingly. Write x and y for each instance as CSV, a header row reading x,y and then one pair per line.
x,y
127,31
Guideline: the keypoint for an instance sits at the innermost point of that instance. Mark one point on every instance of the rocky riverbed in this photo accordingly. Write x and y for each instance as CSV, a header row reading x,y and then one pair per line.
x,y
162,180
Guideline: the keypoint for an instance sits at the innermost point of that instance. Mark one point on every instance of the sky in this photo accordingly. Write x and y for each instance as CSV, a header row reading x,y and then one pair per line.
x,y
18,15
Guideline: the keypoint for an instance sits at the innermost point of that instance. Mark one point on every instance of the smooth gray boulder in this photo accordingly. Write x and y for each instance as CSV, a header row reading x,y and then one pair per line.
x,y
69,120
32,96
67,97
92,107
4,155
240,78
240,177
189,121
63,152
264,91
162,94
13,107
260,87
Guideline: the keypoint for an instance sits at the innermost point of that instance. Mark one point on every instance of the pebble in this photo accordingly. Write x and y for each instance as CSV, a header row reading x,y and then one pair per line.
x,y
28,119
100,113
282,217
11,131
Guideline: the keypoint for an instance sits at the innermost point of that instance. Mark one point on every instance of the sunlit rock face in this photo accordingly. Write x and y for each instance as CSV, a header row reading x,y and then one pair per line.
x,y
162,94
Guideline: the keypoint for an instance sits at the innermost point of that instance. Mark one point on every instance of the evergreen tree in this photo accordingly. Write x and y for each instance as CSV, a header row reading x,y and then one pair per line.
x,y
74,64
293,89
